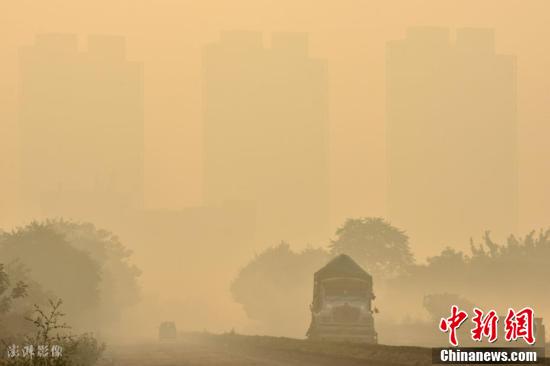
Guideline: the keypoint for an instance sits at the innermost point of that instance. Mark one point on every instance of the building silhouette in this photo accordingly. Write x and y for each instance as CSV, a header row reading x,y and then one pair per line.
x,y
266,132
8,165
451,135
81,126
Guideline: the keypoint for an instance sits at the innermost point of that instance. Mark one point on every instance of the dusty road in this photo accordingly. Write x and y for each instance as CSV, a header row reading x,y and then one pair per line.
x,y
234,350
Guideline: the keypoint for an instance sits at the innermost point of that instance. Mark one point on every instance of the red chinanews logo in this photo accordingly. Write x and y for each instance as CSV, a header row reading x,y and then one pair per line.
x,y
517,325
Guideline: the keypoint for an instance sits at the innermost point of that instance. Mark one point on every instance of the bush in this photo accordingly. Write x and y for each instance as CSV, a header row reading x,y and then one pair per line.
x,y
51,344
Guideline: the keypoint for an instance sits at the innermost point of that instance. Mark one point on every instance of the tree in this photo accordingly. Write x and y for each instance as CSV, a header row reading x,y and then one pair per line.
x,y
61,268
12,293
382,248
9,293
88,267
119,286
276,287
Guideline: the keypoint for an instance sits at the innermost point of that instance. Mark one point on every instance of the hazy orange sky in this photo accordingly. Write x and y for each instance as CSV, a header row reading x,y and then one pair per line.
x,y
168,37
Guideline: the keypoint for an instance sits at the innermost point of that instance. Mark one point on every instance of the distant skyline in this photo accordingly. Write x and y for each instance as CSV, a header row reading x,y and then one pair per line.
x,y
266,132
81,127
203,142
452,135
168,38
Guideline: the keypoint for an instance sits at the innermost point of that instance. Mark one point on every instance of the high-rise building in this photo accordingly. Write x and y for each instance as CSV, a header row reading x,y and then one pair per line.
x,y
451,136
81,126
266,132
8,165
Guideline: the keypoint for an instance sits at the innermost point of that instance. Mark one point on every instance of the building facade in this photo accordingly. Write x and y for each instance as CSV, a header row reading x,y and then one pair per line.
x,y
451,136
81,125
266,132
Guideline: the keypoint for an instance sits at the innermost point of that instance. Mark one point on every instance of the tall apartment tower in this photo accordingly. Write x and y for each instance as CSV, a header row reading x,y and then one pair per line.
x,y
451,136
9,204
81,126
266,132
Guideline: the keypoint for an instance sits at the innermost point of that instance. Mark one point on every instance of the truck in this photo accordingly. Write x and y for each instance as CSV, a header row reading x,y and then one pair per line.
x,y
341,309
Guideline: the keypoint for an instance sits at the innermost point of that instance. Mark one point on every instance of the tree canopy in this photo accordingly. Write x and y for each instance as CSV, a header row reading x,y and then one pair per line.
x,y
275,287
87,267
374,243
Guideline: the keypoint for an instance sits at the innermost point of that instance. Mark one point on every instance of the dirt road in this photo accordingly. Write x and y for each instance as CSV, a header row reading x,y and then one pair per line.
x,y
236,350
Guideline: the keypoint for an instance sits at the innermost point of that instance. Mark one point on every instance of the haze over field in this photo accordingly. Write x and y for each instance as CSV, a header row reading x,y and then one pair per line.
x,y
202,133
